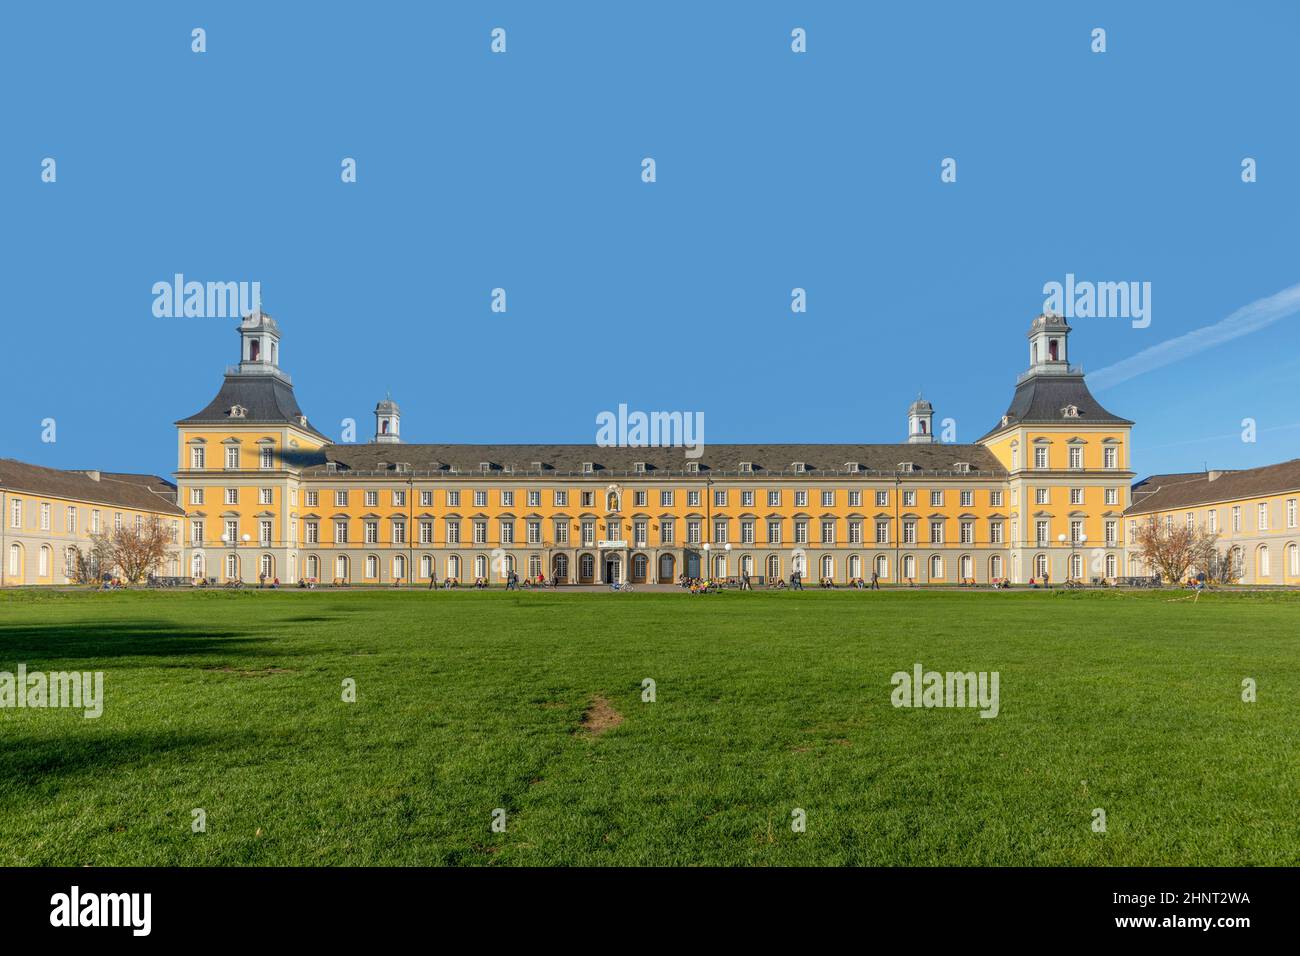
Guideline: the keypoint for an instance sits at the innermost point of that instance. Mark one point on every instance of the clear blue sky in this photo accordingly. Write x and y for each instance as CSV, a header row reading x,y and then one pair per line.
x,y
522,171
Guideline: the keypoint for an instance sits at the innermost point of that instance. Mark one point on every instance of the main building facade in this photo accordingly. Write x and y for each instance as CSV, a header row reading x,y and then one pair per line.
x,y
266,494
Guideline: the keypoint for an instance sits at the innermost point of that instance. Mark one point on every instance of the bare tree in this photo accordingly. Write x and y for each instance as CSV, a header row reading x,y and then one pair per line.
x,y
1173,549
135,551
88,565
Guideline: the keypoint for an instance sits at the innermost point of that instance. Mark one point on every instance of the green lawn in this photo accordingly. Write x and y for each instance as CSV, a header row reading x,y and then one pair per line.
x,y
766,702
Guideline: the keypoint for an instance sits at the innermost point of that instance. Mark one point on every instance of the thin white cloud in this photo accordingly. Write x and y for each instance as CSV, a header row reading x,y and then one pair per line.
x,y
1247,319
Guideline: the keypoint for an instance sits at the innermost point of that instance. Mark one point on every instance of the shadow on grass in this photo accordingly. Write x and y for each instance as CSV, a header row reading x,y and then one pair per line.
x,y
89,640
30,759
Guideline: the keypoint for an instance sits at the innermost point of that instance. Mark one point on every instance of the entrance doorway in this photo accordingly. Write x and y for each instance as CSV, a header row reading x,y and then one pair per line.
x,y
666,567
613,568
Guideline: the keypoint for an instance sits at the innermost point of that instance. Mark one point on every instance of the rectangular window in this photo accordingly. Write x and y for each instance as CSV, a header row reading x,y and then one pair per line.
x,y
561,499
693,532
264,533
666,531
968,532
640,532
399,532
196,532
665,499
1290,512
426,532
561,531
507,532
719,498
1076,531
232,496
340,531
774,531
313,499
232,456
968,499
197,456
828,499
312,530
480,532
45,516
936,499
232,533
720,531
1212,520
909,499
534,532
1110,533
1076,496
588,533
1111,457
1076,456
1041,496
639,498
1262,519
801,532
909,532
995,532
828,532
453,499
196,496
372,532
855,532
1040,532
882,499
341,498
1040,456
855,499
70,519
399,499
507,499
534,499
372,499
936,532
995,499
747,499
268,457
480,499
801,499
453,531
426,499
94,521
265,496
882,532
1112,496
692,499
774,499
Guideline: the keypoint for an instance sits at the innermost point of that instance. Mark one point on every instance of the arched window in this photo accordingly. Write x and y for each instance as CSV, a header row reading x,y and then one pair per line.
x,y
399,567
1052,348
1293,560
1264,569
341,567
426,566
586,568
936,568
480,566
855,566
254,349
773,567
232,567
967,567
1076,567
828,566
747,564
639,565
313,567
909,566
882,566
15,560
372,566
560,567
1040,566
453,566
995,566
534,565
196,565
719,566
44,561
1110,565
267,566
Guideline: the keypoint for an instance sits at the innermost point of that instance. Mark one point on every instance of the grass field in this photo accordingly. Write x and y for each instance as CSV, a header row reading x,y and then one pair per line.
x,y
765,702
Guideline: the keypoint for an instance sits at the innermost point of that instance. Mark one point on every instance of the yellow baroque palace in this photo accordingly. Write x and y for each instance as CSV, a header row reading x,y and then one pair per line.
x,y
266,494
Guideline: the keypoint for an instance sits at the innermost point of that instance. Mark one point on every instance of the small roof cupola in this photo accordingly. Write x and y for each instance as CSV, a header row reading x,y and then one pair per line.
x,y
1049,336
388,422
920,422
259,343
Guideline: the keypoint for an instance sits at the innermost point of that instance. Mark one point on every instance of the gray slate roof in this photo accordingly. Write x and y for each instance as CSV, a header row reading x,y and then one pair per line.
x,y
1039,400
269,400
125,491
875,460
1199,490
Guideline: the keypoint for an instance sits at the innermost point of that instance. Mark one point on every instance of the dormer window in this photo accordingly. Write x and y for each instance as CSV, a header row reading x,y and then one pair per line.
x,y
799,467
238,411
638,467
693,467
588,467
852,467
1006,420
401,466
1070,411
537,466
302,420
962,467
331,466
485,466
906,466
747,467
